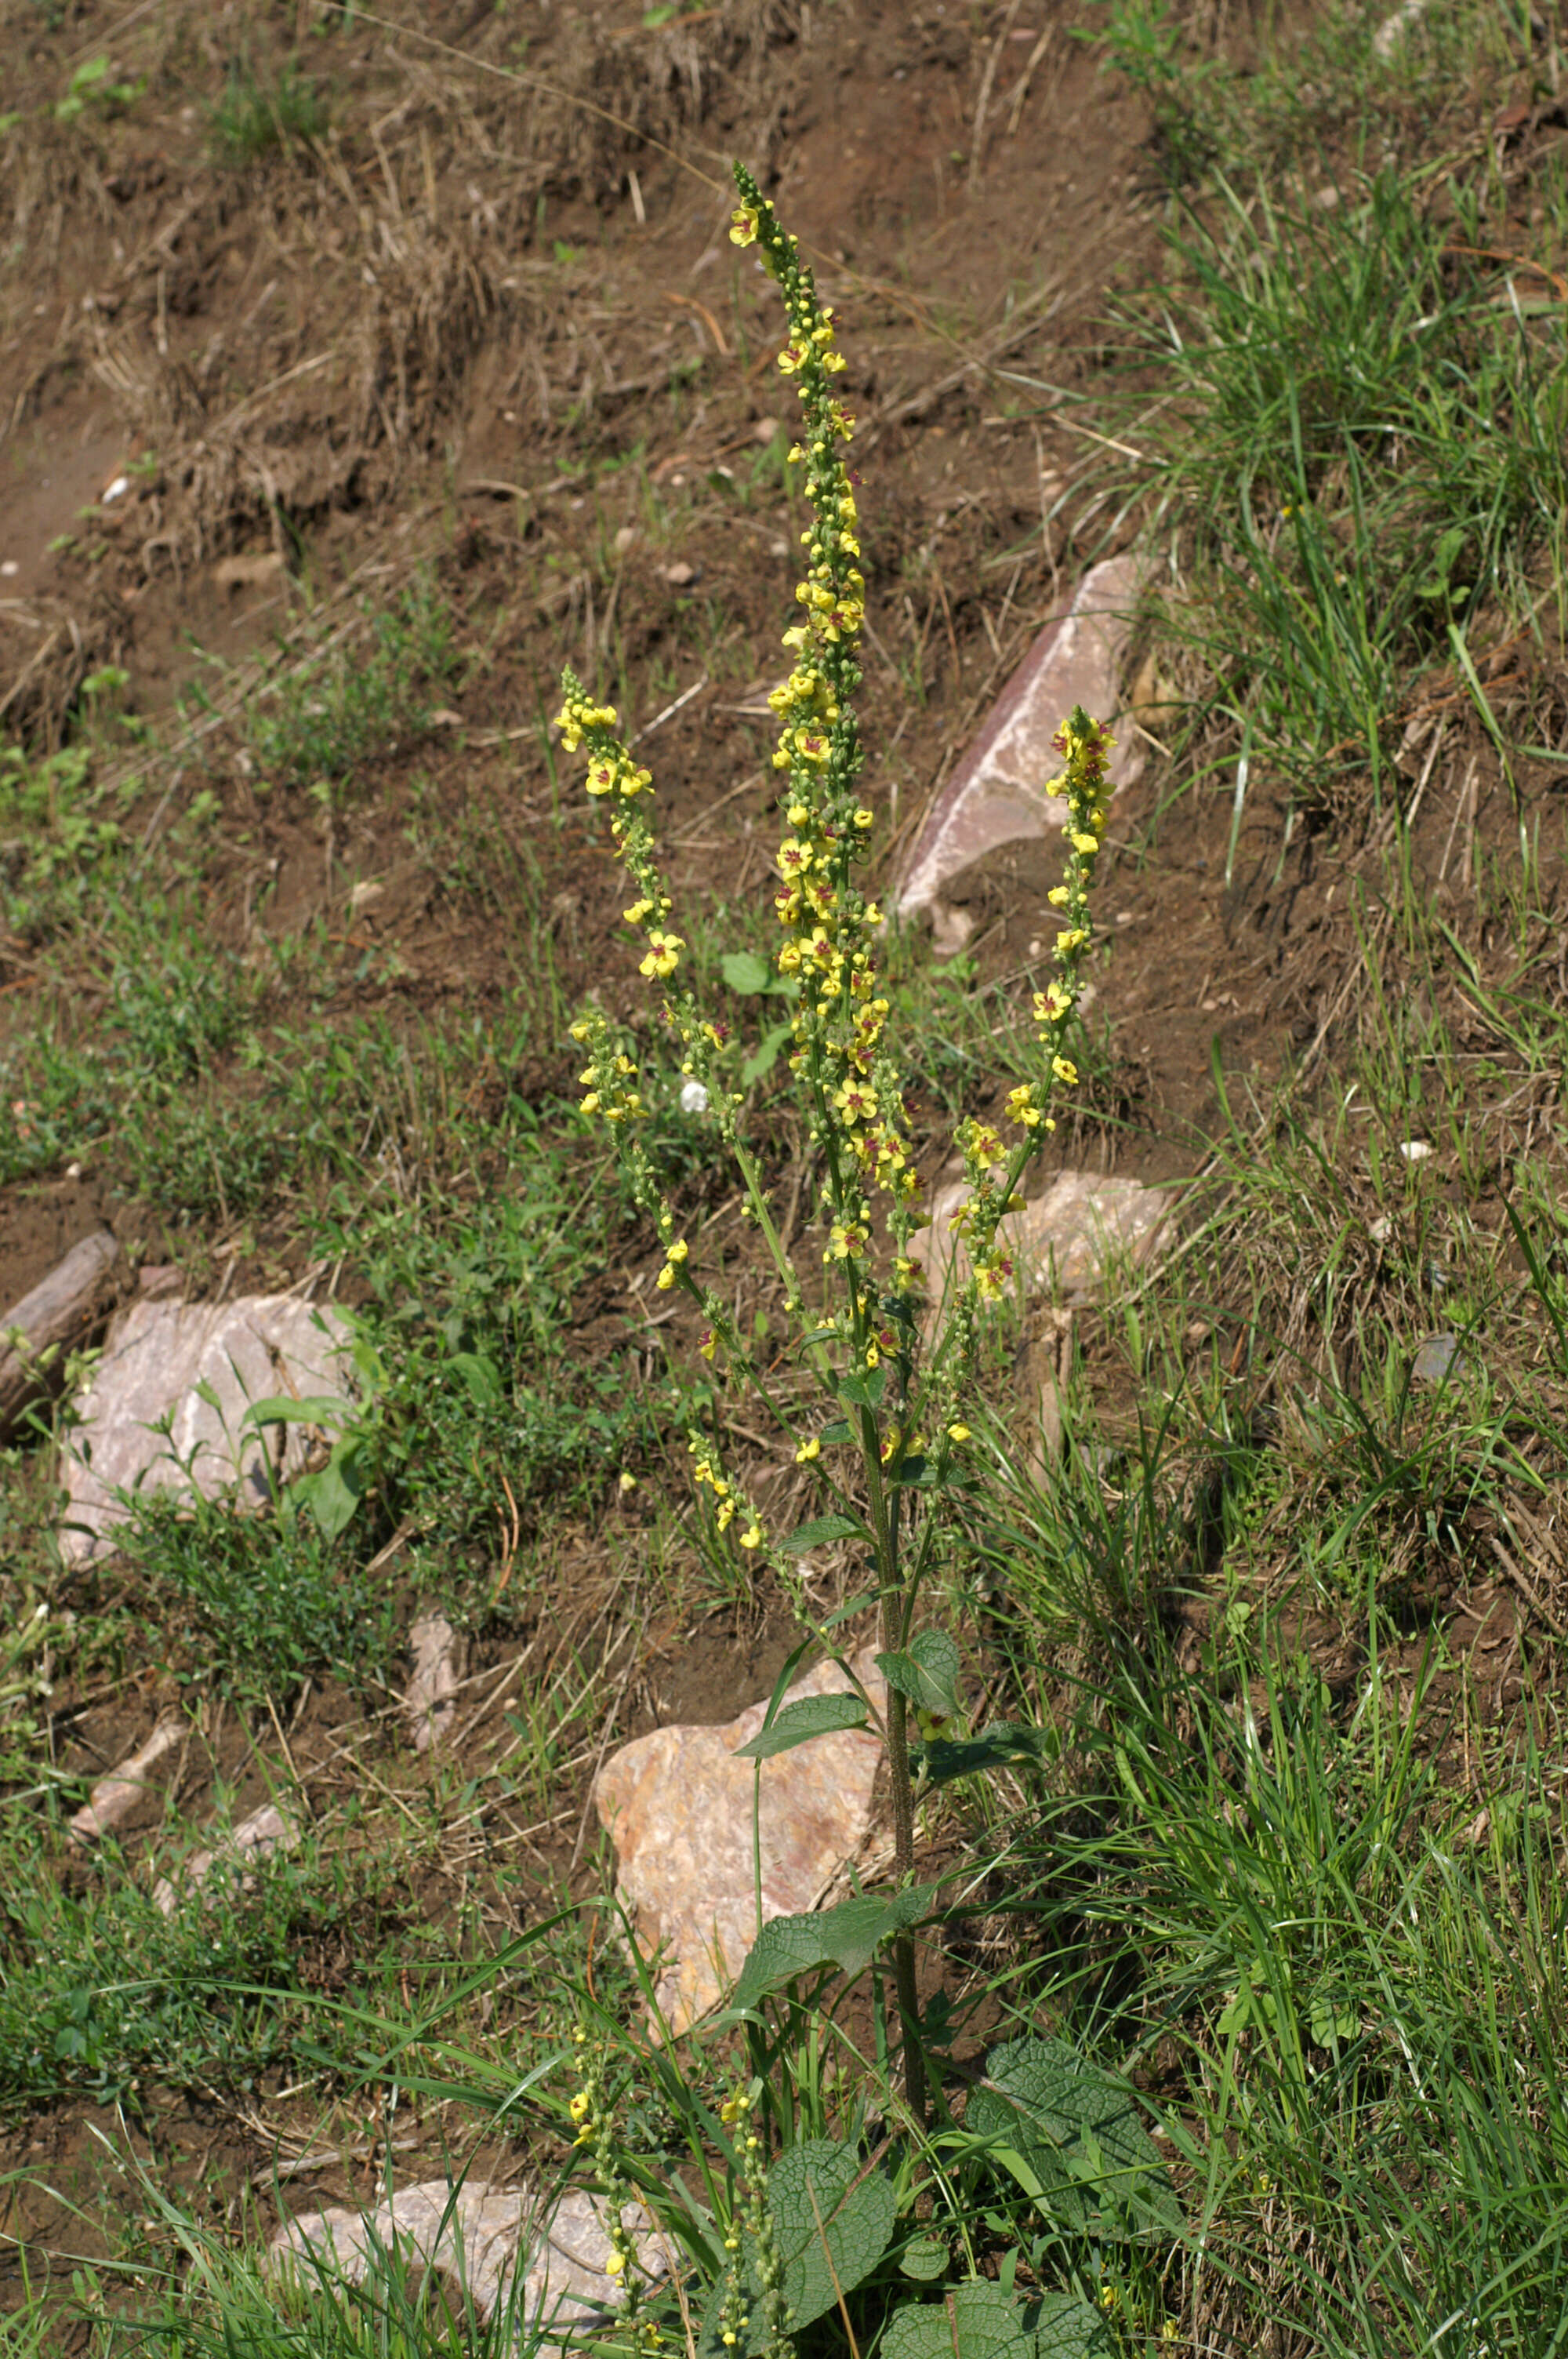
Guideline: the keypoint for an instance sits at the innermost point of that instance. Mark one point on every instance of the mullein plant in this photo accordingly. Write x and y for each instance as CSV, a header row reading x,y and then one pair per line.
x,y
891,1438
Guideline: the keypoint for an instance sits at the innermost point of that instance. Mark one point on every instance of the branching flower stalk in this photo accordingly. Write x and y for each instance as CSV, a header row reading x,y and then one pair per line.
x,y
891,1438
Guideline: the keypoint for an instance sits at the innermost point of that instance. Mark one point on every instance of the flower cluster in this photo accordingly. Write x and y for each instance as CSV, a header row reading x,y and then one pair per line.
x,y
728,1501
828,923
595,2127
749,2215
1084,746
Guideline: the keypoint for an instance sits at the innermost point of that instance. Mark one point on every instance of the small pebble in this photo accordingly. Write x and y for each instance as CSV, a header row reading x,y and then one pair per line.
x,y
679,574
1415,1150
116,490
1437,1357
9,568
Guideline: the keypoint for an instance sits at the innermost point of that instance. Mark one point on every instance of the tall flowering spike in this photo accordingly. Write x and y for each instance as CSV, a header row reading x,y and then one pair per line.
x,y
828,923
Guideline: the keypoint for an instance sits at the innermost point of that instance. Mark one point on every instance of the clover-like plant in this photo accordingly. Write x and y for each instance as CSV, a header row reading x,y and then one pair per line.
x,y
889,1440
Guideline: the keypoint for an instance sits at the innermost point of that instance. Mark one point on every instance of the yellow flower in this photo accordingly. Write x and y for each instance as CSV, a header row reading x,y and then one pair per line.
x,y
614,2263
663,953
1085,844
753,1536
957,1433
743,226
1066,1071
678,1251
864,818
589,1103
807,1451
578,2105
1058,897
665,1278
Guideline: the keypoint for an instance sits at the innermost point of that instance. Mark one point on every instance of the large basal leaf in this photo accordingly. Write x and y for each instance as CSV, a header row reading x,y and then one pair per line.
x,y
797,1724
744,971
1077,2133
926,1672
847,1937
834,2219
981,2321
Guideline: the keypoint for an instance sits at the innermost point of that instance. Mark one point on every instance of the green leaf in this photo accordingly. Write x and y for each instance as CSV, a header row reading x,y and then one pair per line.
x,y
981,2321
332,1495
924,2259
819,1533
1066,2328
834,2219
865,1392
847,1937
744,971
765,1055
927,1673
798,1724
1072,2138
288,1408
832,1435
1001,1746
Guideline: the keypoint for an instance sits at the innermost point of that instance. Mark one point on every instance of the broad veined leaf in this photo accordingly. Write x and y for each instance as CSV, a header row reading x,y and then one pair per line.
x,y
834,2218
864,1392
926,1672
819,1533
981,2321
847,1937
798,1724
924,2259
1072,2138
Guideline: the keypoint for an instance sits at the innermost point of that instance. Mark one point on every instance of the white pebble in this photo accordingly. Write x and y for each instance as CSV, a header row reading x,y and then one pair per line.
x,y
1415,1150
117,489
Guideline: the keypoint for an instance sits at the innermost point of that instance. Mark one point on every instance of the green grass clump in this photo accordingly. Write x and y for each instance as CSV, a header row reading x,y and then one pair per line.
x,y
255,116
356,701
102,1994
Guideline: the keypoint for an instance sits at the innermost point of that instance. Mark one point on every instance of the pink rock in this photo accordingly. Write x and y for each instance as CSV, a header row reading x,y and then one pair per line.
x,y
267,1831
429,1701
200,1365
678,1807
479,2235
115,1797
1063,1241
996,795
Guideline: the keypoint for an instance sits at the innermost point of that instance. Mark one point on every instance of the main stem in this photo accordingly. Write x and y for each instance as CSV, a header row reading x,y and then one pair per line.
x,y
893,1639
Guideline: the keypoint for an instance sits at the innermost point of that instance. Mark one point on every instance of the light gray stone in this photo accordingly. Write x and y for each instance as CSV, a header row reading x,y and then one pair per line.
x,y
678,1806
1437,1358
430,1698
478,2236
997,793
200,1365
